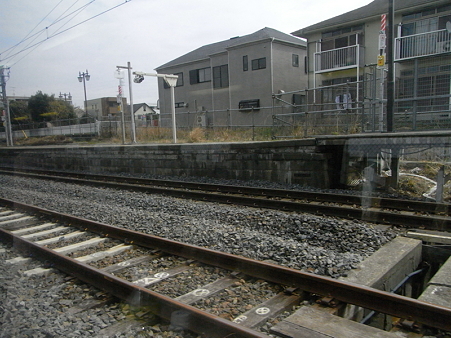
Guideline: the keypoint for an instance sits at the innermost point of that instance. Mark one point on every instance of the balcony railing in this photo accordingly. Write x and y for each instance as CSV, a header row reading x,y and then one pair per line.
x,y
424,44
340,58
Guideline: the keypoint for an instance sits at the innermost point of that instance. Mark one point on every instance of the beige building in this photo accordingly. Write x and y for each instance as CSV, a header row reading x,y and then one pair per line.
x,y
105,107
346,48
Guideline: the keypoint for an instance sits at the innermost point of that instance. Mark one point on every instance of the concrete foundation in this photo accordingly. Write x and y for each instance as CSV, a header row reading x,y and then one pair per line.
x,y
438,290
383,270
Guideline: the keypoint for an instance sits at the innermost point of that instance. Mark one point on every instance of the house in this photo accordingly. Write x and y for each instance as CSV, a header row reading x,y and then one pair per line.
x,y
231,82
145,115
349,48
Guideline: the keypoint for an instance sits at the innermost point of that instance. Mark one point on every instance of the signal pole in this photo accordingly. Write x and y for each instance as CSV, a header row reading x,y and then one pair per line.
x,y
4,72
390,60
133,128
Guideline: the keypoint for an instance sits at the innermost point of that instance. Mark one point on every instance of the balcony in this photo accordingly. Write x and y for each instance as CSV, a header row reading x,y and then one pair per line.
x,y
338,59
424,44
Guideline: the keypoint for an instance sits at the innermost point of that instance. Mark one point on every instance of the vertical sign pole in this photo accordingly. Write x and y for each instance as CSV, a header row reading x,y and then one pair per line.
x,y
390,73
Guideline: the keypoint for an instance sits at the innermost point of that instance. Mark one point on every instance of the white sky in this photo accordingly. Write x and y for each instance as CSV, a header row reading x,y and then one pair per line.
x,y
147,33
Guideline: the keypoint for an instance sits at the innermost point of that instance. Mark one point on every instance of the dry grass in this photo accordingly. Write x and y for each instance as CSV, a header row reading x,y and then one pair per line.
x,y
198,135
45,140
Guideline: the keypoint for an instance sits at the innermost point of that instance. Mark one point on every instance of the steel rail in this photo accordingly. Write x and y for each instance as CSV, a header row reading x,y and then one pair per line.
x,y
380,301
373,201
162,306
403,219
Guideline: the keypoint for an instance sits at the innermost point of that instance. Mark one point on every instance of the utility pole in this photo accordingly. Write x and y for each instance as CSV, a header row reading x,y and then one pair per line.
x,y
4,73
390,61
133,128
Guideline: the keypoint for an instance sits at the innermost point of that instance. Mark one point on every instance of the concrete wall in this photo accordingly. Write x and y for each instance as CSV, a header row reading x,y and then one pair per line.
x,y
279,161
71,130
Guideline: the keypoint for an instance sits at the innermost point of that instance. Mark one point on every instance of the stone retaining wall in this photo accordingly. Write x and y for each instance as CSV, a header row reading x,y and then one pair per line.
x,y
295,161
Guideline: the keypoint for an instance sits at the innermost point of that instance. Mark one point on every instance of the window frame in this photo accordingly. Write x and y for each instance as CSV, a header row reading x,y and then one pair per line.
x,y
245,63
258,64
199,75
295,60
179,83
220,76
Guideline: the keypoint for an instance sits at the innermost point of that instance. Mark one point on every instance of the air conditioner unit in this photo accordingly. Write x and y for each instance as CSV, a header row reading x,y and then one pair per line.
x,y
443,46
201,120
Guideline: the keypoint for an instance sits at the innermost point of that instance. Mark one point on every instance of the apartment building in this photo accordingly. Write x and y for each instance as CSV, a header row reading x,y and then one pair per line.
x,y
346,49
231,82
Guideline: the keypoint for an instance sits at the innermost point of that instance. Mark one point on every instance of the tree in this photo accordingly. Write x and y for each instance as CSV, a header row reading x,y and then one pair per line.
x,y
63,109
39,105
44,107
19,111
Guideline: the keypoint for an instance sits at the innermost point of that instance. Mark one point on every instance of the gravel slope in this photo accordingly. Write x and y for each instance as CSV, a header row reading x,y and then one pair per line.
x,y
36,306
323,245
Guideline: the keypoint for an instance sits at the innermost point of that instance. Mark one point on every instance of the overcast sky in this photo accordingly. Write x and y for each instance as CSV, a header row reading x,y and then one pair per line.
x,y
147,33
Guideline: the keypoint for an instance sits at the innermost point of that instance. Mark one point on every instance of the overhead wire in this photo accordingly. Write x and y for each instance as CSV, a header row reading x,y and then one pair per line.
x,y
74,13
63,31
37,34
26,36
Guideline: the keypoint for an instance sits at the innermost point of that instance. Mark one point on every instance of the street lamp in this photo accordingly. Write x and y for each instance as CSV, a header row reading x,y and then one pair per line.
x,y
81,78
67,97
171,81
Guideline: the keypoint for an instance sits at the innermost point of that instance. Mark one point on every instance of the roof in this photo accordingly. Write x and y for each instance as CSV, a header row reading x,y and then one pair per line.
x,y
137,106
204,52
373,9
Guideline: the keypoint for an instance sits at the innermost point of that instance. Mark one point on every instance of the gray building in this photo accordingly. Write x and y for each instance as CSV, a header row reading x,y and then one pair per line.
x,y
347,48
231,82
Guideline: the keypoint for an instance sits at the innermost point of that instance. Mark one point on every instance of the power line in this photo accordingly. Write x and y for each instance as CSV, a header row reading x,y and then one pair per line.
x,y
56,34
36,35
56,21
26,36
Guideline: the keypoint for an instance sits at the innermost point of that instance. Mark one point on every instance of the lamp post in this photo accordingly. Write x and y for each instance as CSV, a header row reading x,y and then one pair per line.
x,y
83,77
171,81
67,97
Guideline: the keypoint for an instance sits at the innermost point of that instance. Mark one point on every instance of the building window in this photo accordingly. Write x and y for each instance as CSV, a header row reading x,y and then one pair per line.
x,y
245,63
342,31
179,81
249,105
295,60
200,75
430,92
425,13
259,63
221,76
344,37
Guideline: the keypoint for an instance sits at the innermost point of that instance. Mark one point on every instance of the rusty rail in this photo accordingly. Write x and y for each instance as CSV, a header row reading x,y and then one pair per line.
x,y
366,297
261,199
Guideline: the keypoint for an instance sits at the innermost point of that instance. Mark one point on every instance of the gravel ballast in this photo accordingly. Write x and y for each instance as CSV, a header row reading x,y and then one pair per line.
x,y
323,245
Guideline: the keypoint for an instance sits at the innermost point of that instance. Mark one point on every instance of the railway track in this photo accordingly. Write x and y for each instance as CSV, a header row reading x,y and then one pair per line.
x,y
72,245
391,211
